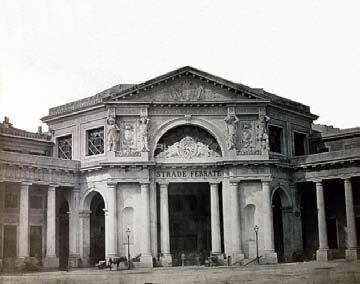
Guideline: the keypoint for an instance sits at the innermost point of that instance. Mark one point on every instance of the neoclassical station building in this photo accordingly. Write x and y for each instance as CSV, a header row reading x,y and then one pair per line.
x,y
185,164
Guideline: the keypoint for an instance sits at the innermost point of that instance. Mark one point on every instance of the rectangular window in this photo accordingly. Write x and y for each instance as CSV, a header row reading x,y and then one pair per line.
x,y
36,202
275,139
65,147
95,141
10,239
299,143
10,200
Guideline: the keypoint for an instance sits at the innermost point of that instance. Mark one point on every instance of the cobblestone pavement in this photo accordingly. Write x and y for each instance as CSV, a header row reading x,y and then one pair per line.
x,y
304,273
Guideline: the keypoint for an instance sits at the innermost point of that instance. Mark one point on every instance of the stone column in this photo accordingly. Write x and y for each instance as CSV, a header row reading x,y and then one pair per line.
x,y
166,259
51,261
351,248
84,220
74,252
215,219
111,249
23,241
146,257
322,254
270,255
237,253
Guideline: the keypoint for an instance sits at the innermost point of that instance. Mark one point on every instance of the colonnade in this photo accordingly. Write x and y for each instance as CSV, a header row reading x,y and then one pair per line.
x,y
235,220
50,259
322,253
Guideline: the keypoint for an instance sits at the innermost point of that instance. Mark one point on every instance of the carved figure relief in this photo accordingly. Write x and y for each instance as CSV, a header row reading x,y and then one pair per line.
x,y
231,126
144,123
262,133
187,91
112,134
188,148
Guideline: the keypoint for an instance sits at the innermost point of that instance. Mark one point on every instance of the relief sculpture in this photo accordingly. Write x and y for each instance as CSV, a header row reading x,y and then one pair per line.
x,y
187,91
144,124
112,134
262,135
128,141
231,127
247,143
188,148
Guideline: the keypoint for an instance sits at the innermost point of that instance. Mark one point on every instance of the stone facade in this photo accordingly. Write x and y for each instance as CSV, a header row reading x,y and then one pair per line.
x,y
176,169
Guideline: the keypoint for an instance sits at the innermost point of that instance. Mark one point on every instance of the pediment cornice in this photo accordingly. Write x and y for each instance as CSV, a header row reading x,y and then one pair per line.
x,y
187,73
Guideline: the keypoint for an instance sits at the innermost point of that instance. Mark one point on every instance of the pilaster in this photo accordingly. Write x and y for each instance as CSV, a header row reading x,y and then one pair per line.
x,y
270,255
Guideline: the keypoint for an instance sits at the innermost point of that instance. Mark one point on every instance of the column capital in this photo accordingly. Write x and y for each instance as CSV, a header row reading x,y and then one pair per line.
x,y
76,188
84,213
213,183
162,183
142,183
346,179
111,183
26,183
266,179
234,182
52,186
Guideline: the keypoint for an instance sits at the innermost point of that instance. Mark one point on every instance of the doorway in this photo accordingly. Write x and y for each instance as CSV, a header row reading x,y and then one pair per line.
x,y
63,221
278,226
97,229
189,222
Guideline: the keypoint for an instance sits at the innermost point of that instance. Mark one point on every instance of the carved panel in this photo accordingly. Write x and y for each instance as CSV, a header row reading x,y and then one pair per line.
x,y
188,148
128,139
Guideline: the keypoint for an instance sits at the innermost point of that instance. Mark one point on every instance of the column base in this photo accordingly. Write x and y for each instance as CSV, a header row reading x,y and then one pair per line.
x,y
146,261
322,255
84,262
220,258
166,260
351,254
74,261
269,257
237,258
51,262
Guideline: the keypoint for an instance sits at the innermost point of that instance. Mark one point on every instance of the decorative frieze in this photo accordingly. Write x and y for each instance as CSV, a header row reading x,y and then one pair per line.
x,y
39,175
188,90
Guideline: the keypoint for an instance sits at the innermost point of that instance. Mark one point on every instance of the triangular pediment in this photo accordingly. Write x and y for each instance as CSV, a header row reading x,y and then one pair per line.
x,y
186,84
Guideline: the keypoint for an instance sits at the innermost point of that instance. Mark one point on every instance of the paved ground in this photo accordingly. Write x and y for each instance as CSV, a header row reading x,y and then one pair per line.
x,y
304,273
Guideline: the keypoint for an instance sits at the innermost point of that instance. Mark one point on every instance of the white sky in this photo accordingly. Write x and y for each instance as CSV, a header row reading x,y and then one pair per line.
x,y
54,52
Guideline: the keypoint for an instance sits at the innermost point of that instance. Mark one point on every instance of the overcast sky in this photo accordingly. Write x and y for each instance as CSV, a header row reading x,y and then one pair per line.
x,y
54,52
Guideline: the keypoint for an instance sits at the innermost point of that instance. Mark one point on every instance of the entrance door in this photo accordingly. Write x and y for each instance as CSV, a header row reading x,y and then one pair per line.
x,y
278,227
97,229
36,241
10,238
189,221
63,221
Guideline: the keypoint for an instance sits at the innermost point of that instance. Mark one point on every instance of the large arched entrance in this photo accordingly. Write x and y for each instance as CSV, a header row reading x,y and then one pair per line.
x,y
97,229
282,221
190,192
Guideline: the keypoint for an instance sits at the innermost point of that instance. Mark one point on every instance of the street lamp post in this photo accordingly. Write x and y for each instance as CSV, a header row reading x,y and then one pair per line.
x,y
256,229
128,244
